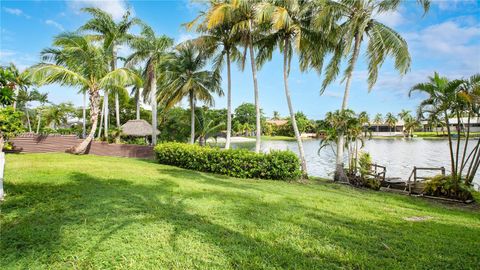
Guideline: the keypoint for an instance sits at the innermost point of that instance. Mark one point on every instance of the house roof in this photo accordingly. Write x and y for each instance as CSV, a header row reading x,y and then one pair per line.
x,y
277,122
138,128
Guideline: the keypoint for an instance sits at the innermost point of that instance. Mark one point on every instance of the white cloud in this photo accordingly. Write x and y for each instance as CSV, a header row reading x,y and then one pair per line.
x,y
115,7
6,53
16,12
448,42
55,24
392,19
453,4
184,37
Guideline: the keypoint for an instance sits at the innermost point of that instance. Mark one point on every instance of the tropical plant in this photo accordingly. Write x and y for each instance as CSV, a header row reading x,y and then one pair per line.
x,y
241,15
378,120
287,24
364,120
276,115
76,61
8,84
219,42
354,22
57,115
10,125
391,121
24,97
152,50
185,76
113,35
206,127
454,97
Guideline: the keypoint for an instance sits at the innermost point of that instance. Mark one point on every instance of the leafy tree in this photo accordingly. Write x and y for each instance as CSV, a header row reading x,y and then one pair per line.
x,y
185,77
220,42
10,125
391,121
7,85
206,127
152,50
78,62
112,34
245,113
353,22
241,13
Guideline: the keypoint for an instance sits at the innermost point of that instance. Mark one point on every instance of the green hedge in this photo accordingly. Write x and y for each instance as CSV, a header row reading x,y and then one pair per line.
x,y
277,165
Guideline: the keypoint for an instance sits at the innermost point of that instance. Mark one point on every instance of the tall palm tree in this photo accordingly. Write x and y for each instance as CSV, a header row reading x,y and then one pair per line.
x,y
185,77
391,121
276,115
241,13
113,34
77,61
288,23
354,22
137,91
378,120
404,114
153,50
220,43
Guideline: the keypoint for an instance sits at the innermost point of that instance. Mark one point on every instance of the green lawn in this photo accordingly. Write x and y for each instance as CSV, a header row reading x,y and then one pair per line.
x,y
278,138
86,212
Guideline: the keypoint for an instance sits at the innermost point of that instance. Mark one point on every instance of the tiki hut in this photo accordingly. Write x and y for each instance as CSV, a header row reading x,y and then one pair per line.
x,y
137,128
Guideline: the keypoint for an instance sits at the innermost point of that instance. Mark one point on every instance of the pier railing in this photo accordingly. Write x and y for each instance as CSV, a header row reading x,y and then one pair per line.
x,y
414,177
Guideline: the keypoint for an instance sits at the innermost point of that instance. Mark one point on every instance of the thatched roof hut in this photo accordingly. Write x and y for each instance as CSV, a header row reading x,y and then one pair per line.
x,y
137,128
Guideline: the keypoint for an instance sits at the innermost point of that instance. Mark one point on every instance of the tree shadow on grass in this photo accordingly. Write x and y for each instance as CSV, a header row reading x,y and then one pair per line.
x,y
45,225
38,220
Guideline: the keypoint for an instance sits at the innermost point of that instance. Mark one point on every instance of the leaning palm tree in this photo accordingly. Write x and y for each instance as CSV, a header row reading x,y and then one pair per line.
x,y
76,61
354,22
113,34
288,22
220,43
153,50
185,77
241,13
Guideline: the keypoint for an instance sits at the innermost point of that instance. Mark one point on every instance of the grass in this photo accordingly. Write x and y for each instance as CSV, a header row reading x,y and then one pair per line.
x,y
278,138
87,212
433,134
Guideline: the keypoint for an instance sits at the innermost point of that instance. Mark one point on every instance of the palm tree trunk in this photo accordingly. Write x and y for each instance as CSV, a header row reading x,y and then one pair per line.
x,y
192,118
28,119
452,159
458,144
153,89
101,121
39,121
255,88
117,103
339,171
2,168
229,103
137,100
286,68
94,110
105,115
466,145
84,115
117,109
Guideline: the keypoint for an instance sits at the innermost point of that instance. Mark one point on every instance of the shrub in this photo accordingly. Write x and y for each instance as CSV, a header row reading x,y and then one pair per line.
x,y
277,165
447,186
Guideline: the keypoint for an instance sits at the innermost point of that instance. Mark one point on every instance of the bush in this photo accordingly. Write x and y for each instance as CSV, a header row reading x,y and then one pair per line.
x,y
277,165
446,186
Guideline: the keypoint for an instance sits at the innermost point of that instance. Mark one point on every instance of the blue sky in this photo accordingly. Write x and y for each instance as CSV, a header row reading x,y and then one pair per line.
x,y
447,40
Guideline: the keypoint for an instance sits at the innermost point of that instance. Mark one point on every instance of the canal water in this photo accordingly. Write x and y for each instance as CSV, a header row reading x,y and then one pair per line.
x,y
398,155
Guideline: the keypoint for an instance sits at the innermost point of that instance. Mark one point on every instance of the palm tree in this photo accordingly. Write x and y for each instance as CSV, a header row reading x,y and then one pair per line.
x,y
185,77
78,62
24,97
113,34
404,114
153,50
276,115
364,120
378,120
241,13
206,127
356,23
220,43
57,115
288,22
391,121
137,91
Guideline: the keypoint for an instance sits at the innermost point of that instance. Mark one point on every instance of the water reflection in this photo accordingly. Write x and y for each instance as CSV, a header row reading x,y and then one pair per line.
x,y
398,155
